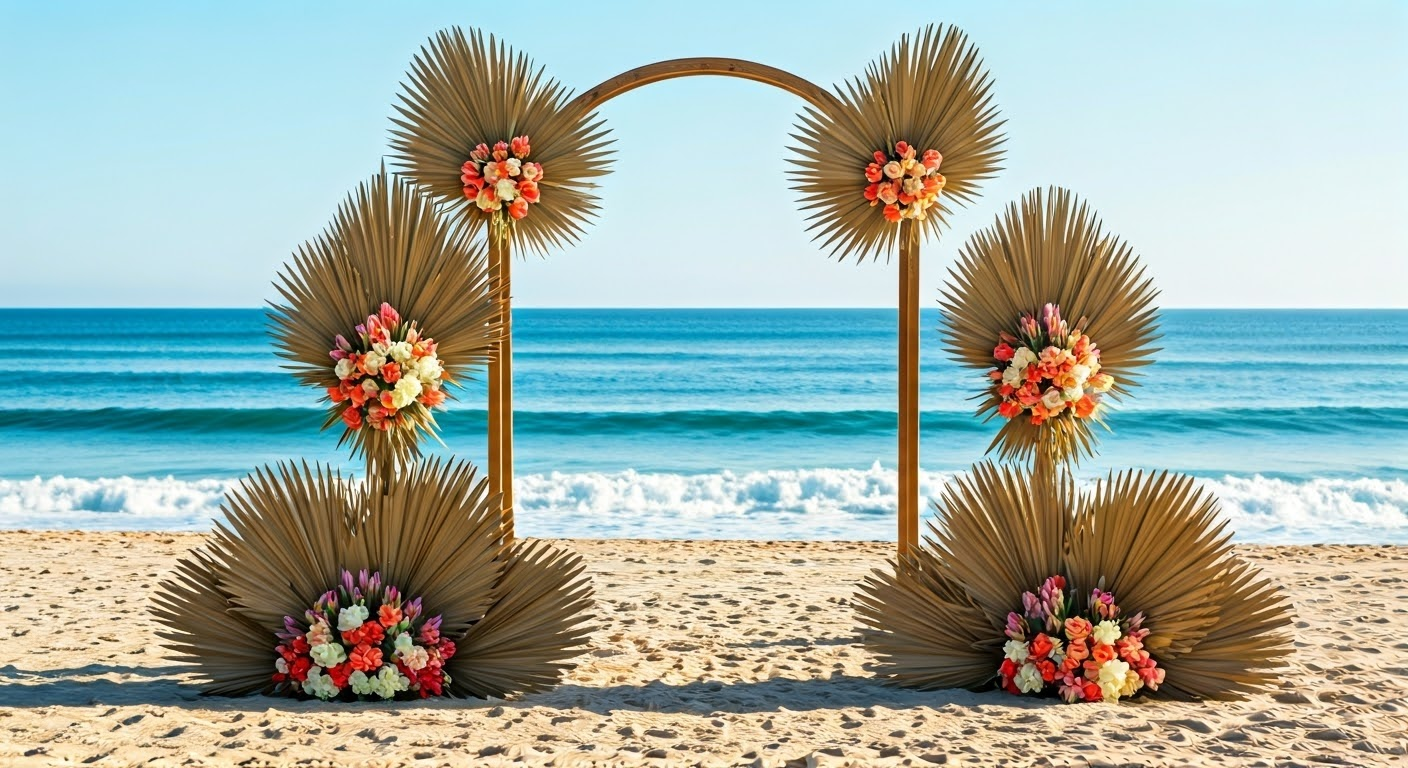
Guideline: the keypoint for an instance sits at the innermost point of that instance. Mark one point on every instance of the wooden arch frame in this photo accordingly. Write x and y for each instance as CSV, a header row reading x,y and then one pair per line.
x,y
500,408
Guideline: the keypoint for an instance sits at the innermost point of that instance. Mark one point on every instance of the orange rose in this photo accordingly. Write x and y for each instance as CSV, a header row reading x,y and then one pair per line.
x,y
1103,652
1078,628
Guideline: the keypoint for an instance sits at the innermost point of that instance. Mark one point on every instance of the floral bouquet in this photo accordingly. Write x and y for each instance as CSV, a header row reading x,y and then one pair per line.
x,y
905,182
360,642
389,369
498,183
1089,656
1047,369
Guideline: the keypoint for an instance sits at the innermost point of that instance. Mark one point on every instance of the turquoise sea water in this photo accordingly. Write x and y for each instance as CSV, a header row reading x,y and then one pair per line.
x,y
753,423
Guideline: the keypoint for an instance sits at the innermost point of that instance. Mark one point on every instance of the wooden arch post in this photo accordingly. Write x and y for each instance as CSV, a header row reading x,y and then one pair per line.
x,y
500,409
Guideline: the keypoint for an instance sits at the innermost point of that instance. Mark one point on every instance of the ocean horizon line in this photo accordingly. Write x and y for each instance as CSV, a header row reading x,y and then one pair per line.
x,y
707,308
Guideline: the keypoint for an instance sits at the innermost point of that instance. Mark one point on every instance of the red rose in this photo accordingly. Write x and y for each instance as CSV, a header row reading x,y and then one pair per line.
x,y
1091,692
1040,646
298,670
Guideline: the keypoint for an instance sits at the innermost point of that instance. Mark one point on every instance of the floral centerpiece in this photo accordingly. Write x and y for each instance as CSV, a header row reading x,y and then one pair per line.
x,y
1092,655
362,641
1046,369
907,183
389,369
501,181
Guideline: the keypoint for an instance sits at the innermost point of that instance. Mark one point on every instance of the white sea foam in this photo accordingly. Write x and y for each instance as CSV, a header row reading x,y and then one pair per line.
x,y
777,504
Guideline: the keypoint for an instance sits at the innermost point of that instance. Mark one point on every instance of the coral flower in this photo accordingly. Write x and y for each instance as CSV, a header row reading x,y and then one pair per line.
x,y
365,658
1041,646
432,397
389,615
1003,352
892,212
1102,652
528,190
391,373
520,146
518,208
352,417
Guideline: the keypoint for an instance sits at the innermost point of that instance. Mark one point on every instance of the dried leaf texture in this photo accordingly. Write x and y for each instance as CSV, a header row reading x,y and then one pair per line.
x,y
386,244
1049,248
931,90
461,91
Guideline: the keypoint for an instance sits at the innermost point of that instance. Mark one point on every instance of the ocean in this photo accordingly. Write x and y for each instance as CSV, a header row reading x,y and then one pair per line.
x,y
729,423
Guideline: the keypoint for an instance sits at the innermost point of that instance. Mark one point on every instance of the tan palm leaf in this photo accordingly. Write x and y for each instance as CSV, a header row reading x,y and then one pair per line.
x,y
433,532
930,90
937,619
462,91
1049,248
1155,541
386,244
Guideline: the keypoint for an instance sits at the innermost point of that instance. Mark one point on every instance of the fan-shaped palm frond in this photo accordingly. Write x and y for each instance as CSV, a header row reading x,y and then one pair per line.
x,y
464,91
433,532
386,244
1049,249
937,620
931,91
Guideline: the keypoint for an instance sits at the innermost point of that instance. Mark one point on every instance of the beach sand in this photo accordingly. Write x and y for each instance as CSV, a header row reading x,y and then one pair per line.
x,y
709,653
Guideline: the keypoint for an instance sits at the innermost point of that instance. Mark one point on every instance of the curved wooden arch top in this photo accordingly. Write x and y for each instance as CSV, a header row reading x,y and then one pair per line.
x,y
668,70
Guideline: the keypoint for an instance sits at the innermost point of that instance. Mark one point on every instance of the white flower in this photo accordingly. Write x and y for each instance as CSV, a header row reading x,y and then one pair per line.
x,y
1023,357
352,617
1029,679
506,190
1081,373
388,682
1111,682
1016,650
372,362
404,642
344,368
281,666
328,654
414,658
319,684
380,348
361,684
400,351
1053,398
1014,375
406,391
1106,632
911,186
1058,651
514,166
428,369
319,633
893,170
1073,393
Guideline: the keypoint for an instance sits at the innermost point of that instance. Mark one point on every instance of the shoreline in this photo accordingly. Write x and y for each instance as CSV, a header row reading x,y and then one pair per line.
x,y
720,652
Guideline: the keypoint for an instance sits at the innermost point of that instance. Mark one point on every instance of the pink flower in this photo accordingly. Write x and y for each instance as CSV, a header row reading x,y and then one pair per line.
x,y
932,158
389,315
501,151
519,145
532,171
528,190
480,153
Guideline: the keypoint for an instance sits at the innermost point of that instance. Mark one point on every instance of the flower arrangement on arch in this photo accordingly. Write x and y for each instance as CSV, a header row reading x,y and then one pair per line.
x,y
907,183
501,181
1092,655
390,369
362,641
1046,369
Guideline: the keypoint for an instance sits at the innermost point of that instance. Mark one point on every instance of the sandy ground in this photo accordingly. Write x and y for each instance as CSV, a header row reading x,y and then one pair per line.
x,y
711,653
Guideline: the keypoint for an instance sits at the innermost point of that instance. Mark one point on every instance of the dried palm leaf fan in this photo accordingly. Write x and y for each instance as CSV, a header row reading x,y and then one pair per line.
x,y
386,245
464,91
1215,625
930,91
517,615
1049,249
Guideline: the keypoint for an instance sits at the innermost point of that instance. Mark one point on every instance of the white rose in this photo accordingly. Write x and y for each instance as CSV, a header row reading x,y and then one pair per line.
x,y
401,352
893,170
506,190
1015,650
1073,393
344,368
351,617
1029,679
514,166
1014,375
381,348
428,369
1080,372
328,654
373,362
1112,679
405,393
1106,632
1053,399
1023,357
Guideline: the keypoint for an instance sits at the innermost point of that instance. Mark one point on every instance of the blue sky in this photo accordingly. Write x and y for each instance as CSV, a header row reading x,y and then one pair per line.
x,y
173,154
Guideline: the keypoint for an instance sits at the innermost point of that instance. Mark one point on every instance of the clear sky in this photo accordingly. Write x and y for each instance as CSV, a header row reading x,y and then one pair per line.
x,y
173,154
